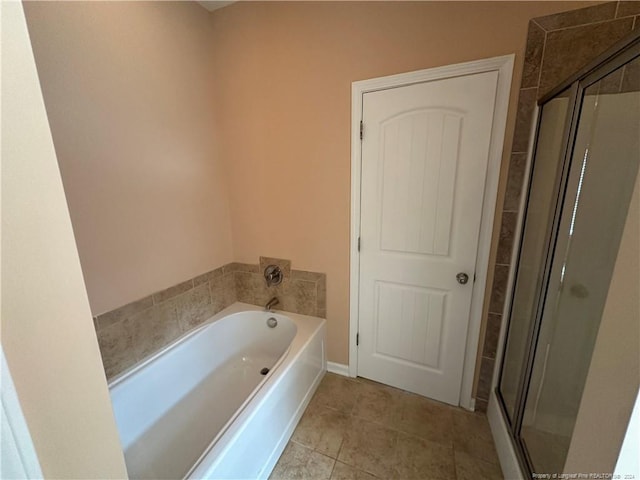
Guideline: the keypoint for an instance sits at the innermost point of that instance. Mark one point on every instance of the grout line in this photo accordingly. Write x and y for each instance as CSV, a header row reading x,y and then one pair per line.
x,y
541,27
544,48
335,461
615,14
623,72
340,448
590,23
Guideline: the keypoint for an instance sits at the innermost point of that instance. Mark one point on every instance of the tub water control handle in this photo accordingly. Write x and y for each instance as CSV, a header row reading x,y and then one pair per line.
x,y
273,275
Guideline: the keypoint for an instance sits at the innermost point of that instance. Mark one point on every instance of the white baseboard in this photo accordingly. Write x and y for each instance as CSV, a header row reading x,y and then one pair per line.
x,y
502,440
469,405
338,368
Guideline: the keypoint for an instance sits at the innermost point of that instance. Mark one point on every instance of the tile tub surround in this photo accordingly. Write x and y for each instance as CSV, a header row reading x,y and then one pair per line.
x,y
358,429
557,46
300,291
131,333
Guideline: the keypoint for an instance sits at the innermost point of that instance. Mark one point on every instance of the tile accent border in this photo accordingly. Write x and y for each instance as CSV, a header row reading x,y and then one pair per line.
x,y
555,48
133,332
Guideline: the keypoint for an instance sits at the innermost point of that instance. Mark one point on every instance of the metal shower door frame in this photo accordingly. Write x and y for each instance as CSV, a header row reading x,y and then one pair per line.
x,y
620,54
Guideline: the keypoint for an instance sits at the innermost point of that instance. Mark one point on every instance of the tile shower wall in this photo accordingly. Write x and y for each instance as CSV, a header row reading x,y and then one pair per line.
x,y
557,46
133,332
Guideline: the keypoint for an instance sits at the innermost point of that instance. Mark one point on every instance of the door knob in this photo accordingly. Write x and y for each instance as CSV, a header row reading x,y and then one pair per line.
x,y
462,278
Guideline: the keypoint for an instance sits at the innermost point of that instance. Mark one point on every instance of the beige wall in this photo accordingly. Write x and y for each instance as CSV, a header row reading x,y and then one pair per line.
x,y
282,106
157,180
47,330
128,86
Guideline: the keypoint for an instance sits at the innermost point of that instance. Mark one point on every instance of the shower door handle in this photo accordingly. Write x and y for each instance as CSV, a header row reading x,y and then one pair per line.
x,y
462,278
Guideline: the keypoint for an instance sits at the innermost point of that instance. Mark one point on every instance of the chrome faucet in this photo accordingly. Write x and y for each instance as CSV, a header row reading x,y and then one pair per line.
x,y
273,275
271,303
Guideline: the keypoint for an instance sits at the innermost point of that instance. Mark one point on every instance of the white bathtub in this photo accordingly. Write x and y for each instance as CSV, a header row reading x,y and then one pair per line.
x,y
200,407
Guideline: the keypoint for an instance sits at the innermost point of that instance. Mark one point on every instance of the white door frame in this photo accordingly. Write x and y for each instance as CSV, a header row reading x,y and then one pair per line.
x,y
504,66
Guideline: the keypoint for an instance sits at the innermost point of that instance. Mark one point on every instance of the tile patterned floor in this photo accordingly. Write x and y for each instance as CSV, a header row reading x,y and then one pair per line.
x,y
355,429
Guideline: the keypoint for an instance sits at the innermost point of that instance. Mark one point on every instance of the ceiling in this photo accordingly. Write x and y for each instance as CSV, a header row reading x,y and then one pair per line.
x,y
212,5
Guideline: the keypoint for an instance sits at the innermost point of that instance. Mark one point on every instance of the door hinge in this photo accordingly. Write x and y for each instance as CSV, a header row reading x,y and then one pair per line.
x,y
357,339
361,129
358,243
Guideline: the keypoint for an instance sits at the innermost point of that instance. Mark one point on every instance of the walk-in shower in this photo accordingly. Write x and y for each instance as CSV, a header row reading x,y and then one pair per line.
x,y
584,174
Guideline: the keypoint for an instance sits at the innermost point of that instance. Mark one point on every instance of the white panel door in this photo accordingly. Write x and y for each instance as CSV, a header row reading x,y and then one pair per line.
x,y
424,159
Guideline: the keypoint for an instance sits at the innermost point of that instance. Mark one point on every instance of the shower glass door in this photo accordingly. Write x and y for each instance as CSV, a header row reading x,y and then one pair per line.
x,y
539,213
604,165
584,171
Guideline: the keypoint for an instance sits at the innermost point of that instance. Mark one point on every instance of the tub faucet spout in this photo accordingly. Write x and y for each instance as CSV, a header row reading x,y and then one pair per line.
x,y
271,303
